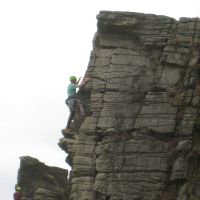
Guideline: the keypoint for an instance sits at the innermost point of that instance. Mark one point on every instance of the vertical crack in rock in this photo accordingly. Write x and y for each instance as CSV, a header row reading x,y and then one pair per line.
x,y
140,137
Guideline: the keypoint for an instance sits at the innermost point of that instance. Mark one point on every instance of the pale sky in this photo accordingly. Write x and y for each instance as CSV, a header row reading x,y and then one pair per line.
x,y
42,43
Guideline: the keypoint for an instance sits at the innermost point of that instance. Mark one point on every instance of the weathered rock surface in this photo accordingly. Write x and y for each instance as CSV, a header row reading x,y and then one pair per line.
x,y
140,138
41,182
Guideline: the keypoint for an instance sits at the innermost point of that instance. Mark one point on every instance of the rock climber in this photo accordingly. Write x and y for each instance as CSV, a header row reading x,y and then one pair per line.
x,y
18,193
72,99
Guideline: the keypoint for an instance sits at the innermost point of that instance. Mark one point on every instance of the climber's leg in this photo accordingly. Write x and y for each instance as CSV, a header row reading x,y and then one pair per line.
x,y
71,117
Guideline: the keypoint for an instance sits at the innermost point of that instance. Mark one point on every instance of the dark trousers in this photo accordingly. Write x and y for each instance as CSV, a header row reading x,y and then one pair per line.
x,y
71,117
72,103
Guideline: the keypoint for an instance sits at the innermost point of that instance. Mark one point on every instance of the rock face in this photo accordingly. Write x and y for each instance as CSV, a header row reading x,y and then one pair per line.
x,y
140,138
41,182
